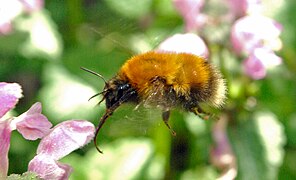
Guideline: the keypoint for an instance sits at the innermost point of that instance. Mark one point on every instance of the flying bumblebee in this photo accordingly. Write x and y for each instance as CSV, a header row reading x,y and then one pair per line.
x,y
165,80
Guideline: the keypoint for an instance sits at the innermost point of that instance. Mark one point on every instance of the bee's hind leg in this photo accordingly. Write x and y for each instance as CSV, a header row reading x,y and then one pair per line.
x,y
165,118
201,113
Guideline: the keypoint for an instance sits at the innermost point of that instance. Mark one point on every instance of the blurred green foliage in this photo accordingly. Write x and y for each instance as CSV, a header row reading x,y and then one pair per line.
x,y
101,35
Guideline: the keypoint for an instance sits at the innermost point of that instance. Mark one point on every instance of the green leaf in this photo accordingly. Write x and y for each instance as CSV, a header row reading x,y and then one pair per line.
x,y
258,144
65,96
130,8
291,130
273,138
202,172
127,158
44,39
25,176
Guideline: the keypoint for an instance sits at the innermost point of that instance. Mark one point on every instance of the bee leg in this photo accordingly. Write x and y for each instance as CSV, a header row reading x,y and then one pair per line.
x,y
109,112
199,112
165,118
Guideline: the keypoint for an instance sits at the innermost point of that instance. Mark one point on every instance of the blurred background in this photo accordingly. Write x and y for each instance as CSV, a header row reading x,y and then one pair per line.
x,y
44,44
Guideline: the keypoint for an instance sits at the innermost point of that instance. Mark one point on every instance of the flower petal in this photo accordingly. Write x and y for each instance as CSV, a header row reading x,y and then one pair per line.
x,y
32,124
254,67
240,8
5,28
48,168
9,96
9,11
32,5
65,138
237,7
188,43
191,13
267,57
254,31
5,133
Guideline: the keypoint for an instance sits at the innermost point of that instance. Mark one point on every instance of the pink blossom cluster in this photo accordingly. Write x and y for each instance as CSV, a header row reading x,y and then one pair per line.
x,y
253,35
191,11
55,142
256,37
10,9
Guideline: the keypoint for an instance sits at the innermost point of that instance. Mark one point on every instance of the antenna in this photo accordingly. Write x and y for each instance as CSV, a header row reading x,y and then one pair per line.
x,y
94,73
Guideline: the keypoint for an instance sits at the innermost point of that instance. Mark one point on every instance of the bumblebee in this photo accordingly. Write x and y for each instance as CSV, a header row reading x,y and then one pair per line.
x,y
165,80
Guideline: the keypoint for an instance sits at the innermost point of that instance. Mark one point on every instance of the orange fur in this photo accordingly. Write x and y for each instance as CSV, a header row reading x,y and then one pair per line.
x,y
181,70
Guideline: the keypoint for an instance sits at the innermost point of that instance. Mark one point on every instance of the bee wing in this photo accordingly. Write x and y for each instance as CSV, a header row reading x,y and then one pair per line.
x,y
157,94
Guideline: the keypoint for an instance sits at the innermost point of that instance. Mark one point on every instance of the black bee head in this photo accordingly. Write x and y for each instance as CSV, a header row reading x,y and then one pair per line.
x,y
118,92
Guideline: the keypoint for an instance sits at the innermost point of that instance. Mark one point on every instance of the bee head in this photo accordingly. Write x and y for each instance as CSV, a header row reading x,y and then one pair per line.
x,y
117,92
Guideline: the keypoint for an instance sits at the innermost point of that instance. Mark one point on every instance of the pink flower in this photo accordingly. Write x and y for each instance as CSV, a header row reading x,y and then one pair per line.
x,y
237,7
62,140
32,5
191,13
31,124
9,96
256,64
5,132
267,57
189,43
5,27
257,36
10,9
255,31
240,8
48,168
55,144
254,67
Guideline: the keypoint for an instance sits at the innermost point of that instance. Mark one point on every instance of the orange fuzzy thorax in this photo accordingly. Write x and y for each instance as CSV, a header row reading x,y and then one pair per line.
x,y
180,70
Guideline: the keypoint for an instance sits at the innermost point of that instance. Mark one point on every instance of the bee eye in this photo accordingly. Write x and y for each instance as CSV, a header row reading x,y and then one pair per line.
x,y
114,95
124,87
121,90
